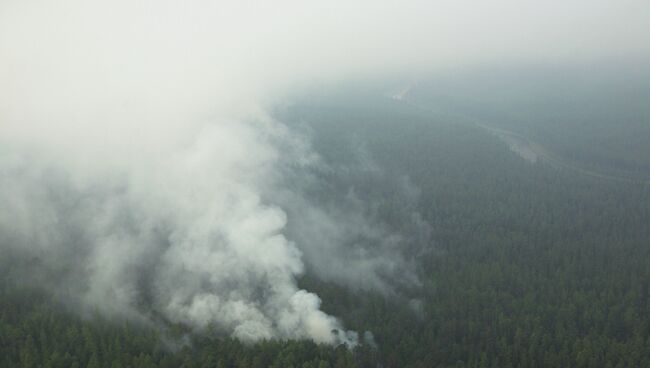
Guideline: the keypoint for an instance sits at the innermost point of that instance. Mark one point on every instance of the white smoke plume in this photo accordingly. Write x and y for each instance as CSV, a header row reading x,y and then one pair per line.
x,y
140,174
190,232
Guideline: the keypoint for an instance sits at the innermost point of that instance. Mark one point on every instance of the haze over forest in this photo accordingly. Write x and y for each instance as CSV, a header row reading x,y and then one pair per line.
x,y
324,184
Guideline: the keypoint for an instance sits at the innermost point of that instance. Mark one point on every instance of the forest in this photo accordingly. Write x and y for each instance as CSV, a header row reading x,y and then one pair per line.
x,y
519,264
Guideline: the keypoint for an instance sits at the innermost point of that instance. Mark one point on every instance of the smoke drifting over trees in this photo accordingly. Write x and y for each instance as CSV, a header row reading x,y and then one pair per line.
x,y
142,175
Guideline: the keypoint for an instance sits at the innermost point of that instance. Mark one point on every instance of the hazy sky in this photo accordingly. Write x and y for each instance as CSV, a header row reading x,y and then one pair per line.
x,y
135,143
236,52
69,59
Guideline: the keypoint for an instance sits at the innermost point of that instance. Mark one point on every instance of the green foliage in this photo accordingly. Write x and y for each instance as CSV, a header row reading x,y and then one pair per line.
x,y
526,266
65,340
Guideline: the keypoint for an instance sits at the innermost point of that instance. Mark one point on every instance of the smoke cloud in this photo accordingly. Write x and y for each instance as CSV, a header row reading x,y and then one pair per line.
x,y
140,174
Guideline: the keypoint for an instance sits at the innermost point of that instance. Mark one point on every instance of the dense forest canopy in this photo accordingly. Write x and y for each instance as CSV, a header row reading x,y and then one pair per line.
x,y
324,184
510,263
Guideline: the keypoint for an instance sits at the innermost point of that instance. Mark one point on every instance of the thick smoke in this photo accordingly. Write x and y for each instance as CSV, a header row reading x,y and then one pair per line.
x,y
189,237
140,175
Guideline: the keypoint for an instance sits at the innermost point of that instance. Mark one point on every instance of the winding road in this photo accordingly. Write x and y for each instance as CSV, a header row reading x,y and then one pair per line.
x,y
530,150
